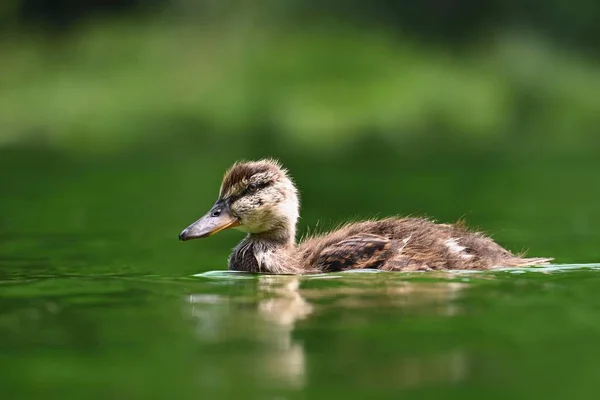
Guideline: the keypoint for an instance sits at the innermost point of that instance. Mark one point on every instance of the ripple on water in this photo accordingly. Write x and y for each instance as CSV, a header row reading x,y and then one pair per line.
x,y
554,268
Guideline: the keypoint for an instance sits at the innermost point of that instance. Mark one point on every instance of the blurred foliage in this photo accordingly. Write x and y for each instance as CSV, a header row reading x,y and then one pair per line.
x,y
113,82
573,22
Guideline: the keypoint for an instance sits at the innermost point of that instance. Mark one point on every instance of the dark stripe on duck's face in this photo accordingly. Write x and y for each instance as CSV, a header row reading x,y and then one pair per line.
x,y
246,191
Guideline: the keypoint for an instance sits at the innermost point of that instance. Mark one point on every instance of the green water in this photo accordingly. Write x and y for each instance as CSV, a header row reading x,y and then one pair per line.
x,y
99,299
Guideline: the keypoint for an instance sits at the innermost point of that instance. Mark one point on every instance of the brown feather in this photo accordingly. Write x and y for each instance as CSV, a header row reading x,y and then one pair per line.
x,y
241,172
402,244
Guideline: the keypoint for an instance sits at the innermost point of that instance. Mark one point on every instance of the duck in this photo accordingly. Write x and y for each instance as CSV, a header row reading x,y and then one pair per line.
x,y
260,198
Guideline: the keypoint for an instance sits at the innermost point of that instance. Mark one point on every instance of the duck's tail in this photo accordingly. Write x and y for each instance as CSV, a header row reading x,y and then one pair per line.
x,y
529,262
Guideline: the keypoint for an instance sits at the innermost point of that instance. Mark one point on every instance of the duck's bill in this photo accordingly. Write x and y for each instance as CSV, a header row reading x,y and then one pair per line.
x,y
209,225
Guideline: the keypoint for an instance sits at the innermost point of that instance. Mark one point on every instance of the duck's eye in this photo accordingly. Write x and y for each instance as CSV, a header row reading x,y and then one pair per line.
x,y
252,187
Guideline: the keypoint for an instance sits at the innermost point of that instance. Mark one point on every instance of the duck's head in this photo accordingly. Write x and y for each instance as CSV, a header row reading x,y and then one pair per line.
x,y
255,197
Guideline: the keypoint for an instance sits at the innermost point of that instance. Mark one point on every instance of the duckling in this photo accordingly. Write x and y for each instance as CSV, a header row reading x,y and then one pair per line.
x,y
260,198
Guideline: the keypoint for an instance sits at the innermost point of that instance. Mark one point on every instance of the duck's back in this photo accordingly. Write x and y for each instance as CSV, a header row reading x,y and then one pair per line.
x,y
406,244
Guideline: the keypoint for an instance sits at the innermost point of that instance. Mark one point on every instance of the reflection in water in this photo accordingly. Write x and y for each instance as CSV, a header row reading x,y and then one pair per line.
x,y
449,367
436,298
270,322
269,314
286,360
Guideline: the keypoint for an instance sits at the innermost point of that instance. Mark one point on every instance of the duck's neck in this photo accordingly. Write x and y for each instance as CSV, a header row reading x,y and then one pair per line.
x,y
284,236
267,252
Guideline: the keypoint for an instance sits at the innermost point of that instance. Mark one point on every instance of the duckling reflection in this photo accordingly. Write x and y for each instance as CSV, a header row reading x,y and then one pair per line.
x,y
270,320
277,305
289,307
434,297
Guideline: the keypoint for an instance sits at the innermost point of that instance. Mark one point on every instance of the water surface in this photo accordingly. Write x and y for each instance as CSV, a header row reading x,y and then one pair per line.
x,y
523,333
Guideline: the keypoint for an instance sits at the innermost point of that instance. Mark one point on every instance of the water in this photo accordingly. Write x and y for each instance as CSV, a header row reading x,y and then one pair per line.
x,y
231,335
99,300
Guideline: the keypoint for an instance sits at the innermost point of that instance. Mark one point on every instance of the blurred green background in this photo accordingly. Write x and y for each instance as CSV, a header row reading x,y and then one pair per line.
x,y
118,119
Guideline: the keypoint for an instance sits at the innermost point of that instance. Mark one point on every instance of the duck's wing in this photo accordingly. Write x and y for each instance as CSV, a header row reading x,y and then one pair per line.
x,y
359,251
